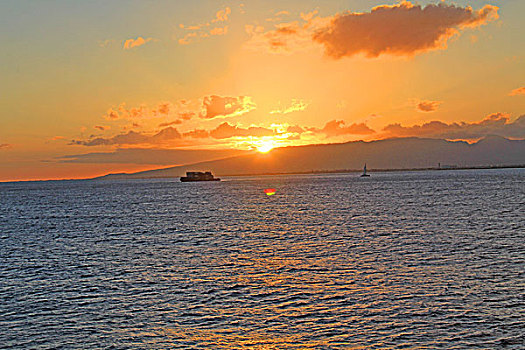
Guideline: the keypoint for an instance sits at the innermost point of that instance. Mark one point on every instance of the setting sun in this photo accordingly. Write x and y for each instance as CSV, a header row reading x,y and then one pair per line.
x,y
265,146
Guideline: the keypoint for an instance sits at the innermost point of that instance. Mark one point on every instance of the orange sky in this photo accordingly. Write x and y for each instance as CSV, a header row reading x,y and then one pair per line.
x,y
92,88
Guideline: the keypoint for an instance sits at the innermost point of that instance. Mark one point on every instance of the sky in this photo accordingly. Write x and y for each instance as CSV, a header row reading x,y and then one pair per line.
x,y
93,87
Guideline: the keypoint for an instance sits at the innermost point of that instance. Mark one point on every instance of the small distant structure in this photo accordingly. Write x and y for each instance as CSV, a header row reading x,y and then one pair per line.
x,y
192,176
364,174
449,166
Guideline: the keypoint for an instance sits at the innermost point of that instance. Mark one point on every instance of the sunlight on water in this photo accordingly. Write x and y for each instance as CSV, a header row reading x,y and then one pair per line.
x,y
399,260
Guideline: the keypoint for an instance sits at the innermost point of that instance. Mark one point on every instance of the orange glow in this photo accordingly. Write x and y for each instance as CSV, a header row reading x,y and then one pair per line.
x,y
279,76
265,146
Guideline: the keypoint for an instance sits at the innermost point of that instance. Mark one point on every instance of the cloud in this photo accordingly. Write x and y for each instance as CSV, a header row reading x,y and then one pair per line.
x,y
518,91
106,43
201,30
278,16
197,134
216,106
493,124
284,38
133,138
102,127
183,116
186,40
428,106
142,111
186,115
132,43
295,129
338,128
219,30
401,29
225,130
296,105
5,145
222,15
175,122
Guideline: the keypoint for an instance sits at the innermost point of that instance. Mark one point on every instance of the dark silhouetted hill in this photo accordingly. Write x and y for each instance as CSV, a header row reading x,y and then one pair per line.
x,y
399,153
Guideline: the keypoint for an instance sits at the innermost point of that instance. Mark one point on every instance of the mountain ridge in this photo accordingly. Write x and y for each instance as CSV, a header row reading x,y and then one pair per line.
x,y
394,153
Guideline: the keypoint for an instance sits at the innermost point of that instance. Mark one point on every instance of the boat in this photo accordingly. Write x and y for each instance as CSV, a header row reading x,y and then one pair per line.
x,y
364,174
192,176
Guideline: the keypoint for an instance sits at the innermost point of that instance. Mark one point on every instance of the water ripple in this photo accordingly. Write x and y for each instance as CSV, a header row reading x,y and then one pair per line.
x,y
420,260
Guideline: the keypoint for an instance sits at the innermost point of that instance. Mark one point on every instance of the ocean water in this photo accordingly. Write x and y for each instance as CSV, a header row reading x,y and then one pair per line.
x,y
412,260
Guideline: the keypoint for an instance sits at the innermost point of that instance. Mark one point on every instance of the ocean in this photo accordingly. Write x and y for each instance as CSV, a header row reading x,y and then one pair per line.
x,y
400,260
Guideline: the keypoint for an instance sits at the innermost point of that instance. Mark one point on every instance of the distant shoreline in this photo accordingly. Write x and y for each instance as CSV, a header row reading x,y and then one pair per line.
x,y
377,170
337,171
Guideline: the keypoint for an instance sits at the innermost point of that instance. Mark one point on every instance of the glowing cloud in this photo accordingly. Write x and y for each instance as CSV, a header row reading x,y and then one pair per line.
x,y
338,127
285,38
493,124
200,31
427,106
518,91
197,134
216,106
175,122
142,111
133,138
186,40
296,105
222,15
226,130
219,30
132,43
401,29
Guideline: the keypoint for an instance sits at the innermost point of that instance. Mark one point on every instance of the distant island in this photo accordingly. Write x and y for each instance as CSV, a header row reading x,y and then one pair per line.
x,y
383,155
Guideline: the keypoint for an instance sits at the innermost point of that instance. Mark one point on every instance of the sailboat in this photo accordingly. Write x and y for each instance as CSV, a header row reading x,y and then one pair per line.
x,y
364,174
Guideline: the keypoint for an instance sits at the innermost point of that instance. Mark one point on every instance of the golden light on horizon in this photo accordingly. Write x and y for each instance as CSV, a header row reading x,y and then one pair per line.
x,y
265,146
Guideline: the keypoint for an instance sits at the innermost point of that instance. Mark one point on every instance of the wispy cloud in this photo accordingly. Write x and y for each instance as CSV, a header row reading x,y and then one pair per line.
x,y
428,106
278,16
5,145
219,30
518,91
207,29
106,43
295,106
163,109
285,37
175,122
222,15
139,41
